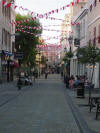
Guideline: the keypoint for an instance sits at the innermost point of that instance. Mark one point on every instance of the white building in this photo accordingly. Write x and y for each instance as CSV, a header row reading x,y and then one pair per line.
x,y
80,37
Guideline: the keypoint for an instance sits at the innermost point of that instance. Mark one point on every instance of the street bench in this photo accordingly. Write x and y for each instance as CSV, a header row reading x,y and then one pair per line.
x,y
95,102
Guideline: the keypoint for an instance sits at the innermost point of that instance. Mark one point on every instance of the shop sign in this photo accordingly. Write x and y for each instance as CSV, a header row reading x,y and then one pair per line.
x,y
18,55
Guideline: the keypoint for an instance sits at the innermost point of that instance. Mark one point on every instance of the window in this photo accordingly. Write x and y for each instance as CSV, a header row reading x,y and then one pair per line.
x,y
2,35
90,8
84,28
80,30
95,2
90,41
94,40
99,34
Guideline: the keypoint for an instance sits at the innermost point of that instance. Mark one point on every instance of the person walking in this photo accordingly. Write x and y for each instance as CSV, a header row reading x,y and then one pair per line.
x,y
46,74
67,81
71,81
19,83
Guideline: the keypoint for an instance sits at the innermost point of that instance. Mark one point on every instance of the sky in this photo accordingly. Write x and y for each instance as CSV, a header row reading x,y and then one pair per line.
x,y
44,6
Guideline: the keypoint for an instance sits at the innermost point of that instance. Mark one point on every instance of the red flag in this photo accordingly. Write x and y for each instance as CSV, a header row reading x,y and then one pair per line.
x,y
72,3
9,4
3,2
57,10
77,1
15,7
67,5
31,13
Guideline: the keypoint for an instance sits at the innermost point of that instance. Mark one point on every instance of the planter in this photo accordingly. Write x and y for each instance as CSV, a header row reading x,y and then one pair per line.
x,y
80,90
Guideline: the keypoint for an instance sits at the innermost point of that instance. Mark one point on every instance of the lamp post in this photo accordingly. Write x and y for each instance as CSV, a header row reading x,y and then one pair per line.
x,y
70,39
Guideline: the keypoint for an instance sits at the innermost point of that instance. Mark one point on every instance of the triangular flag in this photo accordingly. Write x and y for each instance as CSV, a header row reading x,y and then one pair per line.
x,y
8,5
15,7
5,3
77,1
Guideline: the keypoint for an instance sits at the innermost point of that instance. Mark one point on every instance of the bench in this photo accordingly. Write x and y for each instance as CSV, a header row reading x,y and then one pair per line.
x,y
95,102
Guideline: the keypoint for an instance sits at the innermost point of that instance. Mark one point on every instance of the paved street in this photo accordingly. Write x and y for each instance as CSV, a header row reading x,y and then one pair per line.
x,y
42,108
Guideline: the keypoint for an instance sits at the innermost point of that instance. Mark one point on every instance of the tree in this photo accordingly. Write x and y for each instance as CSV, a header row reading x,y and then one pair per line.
x,y
67,59
89,55
68,56
26,43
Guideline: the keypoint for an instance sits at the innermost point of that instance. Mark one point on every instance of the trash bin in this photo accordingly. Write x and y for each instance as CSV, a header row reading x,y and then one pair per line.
x,y
80,90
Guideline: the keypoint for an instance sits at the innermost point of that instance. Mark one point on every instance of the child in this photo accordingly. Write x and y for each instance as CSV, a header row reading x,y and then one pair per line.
x,y
71,81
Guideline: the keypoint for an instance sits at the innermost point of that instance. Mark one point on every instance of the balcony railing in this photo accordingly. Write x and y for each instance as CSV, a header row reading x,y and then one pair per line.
x,y
76,42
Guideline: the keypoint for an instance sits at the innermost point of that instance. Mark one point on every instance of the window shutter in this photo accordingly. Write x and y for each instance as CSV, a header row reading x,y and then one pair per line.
x,y
94,40
99,34
99,30
94,32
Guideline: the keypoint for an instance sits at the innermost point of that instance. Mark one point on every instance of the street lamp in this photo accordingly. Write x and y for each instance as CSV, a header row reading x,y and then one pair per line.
x,y
70,39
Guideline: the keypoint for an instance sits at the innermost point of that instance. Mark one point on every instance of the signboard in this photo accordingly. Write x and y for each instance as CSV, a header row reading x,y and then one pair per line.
x,y
18,55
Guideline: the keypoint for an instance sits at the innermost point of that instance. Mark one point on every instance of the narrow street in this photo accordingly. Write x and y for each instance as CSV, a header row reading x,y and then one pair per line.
x,y
43,108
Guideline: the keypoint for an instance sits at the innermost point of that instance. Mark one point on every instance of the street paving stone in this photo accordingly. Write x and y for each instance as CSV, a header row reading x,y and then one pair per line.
x,y
41,109
89,118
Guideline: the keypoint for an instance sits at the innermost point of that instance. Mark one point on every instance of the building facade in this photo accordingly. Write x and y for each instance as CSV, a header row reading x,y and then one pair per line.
x,y
94,34
80,37
6,41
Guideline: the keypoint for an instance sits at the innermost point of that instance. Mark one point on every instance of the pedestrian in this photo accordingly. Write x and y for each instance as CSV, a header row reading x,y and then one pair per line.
x,y
67,81
76,82
46,74
19,83
71,81
86,84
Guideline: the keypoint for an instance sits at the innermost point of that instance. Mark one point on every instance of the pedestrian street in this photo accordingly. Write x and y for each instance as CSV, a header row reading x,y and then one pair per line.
x,y
42,108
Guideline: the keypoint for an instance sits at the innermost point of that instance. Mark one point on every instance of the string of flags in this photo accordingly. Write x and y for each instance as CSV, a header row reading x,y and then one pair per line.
x,y
39,28
22,28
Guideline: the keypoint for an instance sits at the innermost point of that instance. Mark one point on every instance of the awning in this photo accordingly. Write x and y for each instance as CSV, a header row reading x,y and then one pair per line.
x,y
7,53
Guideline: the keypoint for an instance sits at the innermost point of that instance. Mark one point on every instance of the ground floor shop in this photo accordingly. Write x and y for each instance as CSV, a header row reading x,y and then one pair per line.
x,y
8,67
86,70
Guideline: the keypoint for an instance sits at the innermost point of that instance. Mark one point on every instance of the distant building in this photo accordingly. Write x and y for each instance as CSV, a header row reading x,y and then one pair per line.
x,y
65,32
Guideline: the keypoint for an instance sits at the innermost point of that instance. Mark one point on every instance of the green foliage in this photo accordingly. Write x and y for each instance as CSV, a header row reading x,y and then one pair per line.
x,y
26,43
65,59
88,55
68,56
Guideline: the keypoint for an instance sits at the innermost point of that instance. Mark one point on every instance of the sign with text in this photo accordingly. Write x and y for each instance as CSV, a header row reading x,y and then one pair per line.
x,y
18,55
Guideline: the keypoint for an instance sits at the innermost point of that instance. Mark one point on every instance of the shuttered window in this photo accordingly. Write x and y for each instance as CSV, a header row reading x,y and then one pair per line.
x,y
99,33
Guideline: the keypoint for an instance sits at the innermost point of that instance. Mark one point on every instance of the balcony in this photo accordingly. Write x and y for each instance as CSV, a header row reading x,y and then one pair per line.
x,y
76,42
